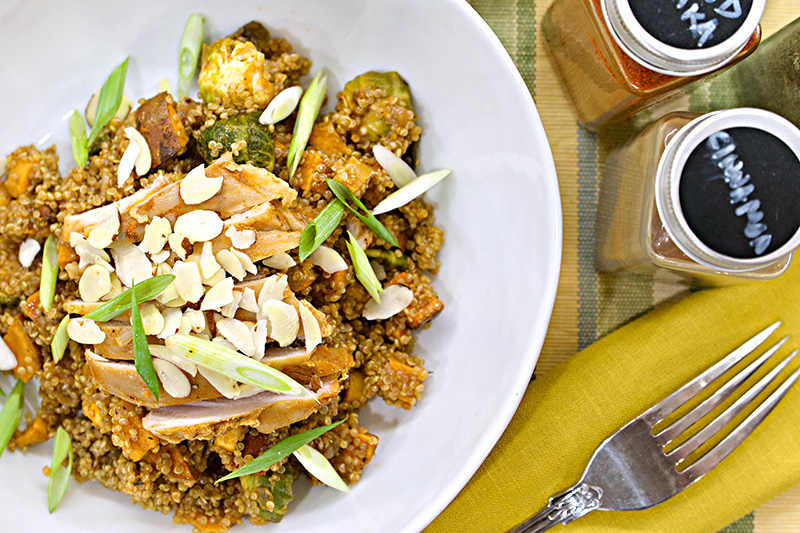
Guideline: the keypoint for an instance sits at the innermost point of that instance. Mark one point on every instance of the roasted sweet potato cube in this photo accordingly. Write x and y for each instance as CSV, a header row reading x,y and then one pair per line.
x,y
19,177
352,459
426,304
25,350
161,126
354,174
325,138
311,179
35,433
405,383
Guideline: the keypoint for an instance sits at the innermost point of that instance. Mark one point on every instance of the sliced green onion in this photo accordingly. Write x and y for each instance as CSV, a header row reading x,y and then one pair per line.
x,y
406,193
214,356
2,392
47,284
60,340
141,352
319,467
146,290
11,415
363,269
109,100
59,475
320,228
347,197
280,450
77,133
189,56
282,105
398,170
306,116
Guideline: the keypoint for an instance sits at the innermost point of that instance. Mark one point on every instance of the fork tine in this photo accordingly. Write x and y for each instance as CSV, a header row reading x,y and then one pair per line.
x,y
729,443
717,398
697,440
669,404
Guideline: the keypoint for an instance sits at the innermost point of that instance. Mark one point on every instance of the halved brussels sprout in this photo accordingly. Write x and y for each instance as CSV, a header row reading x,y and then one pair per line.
x,y
244,136
232,72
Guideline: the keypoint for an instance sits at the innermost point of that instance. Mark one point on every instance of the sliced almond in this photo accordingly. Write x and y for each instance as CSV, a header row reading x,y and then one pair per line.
x,y
116,287
8,361
260,335
175,241
218,276
127,163
103,234
311,329
231,264
284,324
170,293
241,239
199,225
377,267
218,296
249,302
196,187
85,331
229,311
130,262
162,352
156,234
94,284
172,321
328,259
226,386
152,319
208,264
394,299
175,382
144,160
272,289
279,261
28,251
187,281
192,321
88,254
239,334
244,259
161,256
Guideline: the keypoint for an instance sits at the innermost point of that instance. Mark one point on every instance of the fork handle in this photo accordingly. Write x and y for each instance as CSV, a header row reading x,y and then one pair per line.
x,y
563,509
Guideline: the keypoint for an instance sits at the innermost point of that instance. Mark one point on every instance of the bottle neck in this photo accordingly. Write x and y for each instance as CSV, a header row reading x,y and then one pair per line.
x,y
657,55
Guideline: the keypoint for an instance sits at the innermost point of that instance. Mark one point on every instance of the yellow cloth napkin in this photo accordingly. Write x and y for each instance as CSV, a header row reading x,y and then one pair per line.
x,y
569,411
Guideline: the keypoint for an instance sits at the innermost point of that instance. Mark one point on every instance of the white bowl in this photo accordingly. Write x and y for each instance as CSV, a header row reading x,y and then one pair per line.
x,y
500,210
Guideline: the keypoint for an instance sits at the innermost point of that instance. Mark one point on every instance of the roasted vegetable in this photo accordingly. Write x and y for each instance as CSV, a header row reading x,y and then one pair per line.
x,y
374,122
161,126
273,492
247,139
256,33
388,258
232,72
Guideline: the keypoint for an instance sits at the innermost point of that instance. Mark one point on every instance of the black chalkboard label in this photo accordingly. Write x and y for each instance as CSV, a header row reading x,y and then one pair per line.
x,y
691,24
740,192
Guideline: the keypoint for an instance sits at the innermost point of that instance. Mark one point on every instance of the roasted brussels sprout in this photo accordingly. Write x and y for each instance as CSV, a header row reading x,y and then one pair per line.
x,y
256,33
232,72
375,123
388,258
244,136
273,492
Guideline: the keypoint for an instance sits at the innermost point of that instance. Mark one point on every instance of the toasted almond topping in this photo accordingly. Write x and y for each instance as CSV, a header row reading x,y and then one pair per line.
x,y
131,263
394,299
172,321
249,302
328,259
28,251
161,256
162,352
311,329
192,321
241,239
218,296
94,284
175,241
279,261
170,293
225,342
377,267
85,331
175,382
199,225
230,310
244,259
103,235
260,334
208,265
218,276
231,264
196,187
272,289
127,162
284,324
89,255
8,361
187,281
226,386
156,234
144,160
239,334
152,319
116,287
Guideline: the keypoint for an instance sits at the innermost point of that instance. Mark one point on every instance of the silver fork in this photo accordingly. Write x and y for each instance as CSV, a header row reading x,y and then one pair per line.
x,y
630,470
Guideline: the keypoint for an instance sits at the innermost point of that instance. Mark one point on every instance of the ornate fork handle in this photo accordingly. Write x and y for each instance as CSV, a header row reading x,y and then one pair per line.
x,y
563,509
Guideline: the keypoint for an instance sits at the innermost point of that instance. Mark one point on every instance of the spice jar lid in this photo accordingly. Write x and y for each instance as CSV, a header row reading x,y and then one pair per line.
x,y
698,37
728,189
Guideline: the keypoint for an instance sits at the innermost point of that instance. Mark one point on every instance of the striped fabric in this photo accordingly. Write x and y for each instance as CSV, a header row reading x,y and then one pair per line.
x,y
589,304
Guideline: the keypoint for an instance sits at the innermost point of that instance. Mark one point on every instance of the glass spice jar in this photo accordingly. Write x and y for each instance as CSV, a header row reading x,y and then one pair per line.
x,y
618,57
713,197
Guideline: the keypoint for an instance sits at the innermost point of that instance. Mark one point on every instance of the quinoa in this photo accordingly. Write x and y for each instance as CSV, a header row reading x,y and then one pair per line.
x,y
110,444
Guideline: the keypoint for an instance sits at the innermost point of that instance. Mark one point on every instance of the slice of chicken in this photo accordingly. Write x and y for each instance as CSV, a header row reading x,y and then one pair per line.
x,y
207,419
